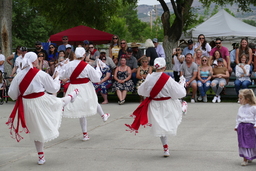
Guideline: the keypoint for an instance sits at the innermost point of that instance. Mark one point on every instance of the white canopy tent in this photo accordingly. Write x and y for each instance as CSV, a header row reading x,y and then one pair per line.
x,y
225,26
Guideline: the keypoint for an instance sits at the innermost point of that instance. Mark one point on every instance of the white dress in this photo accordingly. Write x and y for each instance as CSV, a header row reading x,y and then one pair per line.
x,y
166,115
43,114
87,100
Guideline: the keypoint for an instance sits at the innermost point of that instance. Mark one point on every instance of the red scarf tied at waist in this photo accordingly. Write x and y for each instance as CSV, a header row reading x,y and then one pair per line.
x,y
20,108
141,113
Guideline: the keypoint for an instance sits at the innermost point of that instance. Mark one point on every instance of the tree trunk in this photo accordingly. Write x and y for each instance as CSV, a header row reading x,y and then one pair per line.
x,y
6,31
168,46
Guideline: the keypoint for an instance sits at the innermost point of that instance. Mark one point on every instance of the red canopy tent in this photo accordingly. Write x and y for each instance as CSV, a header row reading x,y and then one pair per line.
x,y
77,35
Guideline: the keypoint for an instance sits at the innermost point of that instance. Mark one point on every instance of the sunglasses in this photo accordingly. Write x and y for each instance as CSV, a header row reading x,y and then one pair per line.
x,y
64,39
201,38
91,47
40,56
204,60
123,43
218,43
177,49
51,47
115,38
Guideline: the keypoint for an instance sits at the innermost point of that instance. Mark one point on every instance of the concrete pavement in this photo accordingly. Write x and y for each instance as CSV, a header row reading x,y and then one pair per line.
x,y
205,141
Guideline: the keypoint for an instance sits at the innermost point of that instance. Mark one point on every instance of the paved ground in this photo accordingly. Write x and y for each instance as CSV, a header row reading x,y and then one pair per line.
x,y
205,141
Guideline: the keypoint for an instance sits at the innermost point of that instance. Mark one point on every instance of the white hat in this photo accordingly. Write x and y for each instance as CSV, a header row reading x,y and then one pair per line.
x,y
68,46
28,59
102,51
79,52
159,63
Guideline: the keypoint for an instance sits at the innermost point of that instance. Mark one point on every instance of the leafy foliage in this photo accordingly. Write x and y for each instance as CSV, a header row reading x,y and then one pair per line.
x,y
27,25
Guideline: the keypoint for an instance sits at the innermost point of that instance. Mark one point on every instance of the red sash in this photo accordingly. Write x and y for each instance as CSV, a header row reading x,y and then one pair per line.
x,y
20,108
141,113
79,68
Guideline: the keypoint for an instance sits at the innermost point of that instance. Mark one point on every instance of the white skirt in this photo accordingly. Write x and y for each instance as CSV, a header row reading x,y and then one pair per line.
x,y
165,117
85,103
43,117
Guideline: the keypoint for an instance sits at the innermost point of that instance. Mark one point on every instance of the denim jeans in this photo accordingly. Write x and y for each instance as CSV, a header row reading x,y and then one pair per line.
x,y
203,87
241,85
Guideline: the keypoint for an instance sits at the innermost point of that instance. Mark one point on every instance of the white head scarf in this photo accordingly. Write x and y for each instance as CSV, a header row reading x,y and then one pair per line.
x,y
159,63
80,51
28,59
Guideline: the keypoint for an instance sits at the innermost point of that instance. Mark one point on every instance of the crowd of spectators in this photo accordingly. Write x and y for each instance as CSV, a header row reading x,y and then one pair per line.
x,y
208,66
203,65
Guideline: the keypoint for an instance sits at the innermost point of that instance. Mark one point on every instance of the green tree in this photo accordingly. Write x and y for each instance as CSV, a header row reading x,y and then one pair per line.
x,y
251,22
28,25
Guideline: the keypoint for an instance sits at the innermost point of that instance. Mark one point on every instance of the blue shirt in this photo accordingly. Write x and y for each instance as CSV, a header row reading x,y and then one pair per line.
x,y
186,51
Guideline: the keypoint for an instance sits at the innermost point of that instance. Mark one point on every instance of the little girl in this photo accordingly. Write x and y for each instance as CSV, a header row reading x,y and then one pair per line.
x,y
246,126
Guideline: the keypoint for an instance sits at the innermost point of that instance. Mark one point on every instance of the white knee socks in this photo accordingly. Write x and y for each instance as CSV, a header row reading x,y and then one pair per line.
x,y
83,123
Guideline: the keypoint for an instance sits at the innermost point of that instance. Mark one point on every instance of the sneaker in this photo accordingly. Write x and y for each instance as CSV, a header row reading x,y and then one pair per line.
x,y
86,137
205,98
122,102
166,151
105,117
200,98
192,101
214,99
244,163
41,161
218,100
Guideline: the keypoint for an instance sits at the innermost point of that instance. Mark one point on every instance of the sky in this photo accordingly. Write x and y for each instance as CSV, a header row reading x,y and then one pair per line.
x,y
148,2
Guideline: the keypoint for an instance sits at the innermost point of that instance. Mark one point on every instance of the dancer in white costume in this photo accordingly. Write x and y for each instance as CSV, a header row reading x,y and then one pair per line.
x,y
81,76
38,112
161,109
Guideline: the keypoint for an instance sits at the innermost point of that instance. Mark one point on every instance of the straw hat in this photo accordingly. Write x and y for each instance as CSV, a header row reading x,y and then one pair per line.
x,y
133,45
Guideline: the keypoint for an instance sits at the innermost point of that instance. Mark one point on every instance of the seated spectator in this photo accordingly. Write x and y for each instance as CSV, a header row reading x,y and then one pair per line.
x,y
109,62
136,52
189,71
52,58
215,57
220,73
177,60
11,59
105,80
69,54
64,44
197,57
123,82
39,48
242,74
159,48
203,45
189,48
123,49
150,51
223,51
132,63
142,72
233,56
42,63
204,78
114,48
59,67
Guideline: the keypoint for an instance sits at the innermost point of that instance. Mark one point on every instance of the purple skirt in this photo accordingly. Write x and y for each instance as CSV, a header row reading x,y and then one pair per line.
x,y
247,140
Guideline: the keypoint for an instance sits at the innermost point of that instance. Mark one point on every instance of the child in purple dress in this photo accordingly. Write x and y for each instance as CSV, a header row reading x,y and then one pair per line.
x,y
246,126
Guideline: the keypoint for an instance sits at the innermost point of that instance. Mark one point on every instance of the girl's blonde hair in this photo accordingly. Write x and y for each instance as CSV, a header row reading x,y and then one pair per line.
x,y
207,61
248,95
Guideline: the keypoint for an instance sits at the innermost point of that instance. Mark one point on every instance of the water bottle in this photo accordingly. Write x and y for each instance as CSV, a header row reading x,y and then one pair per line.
x,y
252,82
